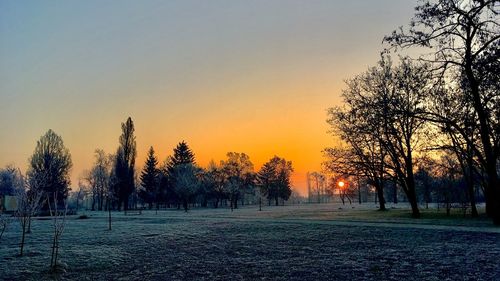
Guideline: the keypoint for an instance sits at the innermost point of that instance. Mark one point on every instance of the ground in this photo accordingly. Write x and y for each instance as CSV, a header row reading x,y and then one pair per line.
x,y
298,242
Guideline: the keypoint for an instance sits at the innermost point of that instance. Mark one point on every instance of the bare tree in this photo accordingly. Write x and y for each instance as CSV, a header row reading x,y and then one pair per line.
x,y
98,178
89,179
318,185
79,195
28,204
58,223
345,189
363,158
380,122
465,38
404,131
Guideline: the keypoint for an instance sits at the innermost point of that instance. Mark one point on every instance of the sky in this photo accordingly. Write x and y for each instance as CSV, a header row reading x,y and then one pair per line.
x,y
244,76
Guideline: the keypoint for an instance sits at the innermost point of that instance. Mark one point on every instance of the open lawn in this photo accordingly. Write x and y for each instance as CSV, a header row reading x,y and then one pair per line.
x,y
300,242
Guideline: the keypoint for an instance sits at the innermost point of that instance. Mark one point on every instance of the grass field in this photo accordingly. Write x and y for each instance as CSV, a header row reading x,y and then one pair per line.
x,y
300,242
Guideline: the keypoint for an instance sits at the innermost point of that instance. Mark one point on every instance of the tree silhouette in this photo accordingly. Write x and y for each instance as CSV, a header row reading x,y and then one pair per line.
x,y
238,171
49,167
182,156
214,181
381,123
274,179
465,40
124,168
149,179
186,182
266,180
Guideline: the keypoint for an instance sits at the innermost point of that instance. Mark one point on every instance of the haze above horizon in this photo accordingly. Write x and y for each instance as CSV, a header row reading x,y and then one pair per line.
x,y
243,76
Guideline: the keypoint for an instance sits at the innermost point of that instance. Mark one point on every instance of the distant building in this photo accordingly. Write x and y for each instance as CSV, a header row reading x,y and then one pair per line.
x,y
8,203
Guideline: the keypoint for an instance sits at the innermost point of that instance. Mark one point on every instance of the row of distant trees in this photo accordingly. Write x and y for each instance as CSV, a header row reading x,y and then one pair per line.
x,y
435,119
179,181
113,183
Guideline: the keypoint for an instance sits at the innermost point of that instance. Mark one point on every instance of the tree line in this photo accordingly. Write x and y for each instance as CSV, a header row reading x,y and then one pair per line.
x,y
179,181
428,125
114,183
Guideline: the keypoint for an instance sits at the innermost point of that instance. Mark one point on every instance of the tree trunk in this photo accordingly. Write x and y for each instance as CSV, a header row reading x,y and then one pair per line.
x,y
412,196
380,195
415,213
395,194
57,253
359,193
125,203
109,217
29,225
22,238
52,263
77,202
101,201
492,194
472,195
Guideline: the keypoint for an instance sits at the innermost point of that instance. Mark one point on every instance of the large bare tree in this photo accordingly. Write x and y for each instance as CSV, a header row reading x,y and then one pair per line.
x,y
464,37
380,124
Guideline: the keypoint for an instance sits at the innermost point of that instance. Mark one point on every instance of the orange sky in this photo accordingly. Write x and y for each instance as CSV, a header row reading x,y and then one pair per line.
x,y
244,76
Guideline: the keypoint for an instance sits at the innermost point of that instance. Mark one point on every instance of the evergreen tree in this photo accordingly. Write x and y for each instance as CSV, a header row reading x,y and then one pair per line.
x,y
182,156
265,179
149,179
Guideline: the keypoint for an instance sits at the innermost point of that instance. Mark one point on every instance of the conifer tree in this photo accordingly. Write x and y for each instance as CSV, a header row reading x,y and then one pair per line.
x,y
183,155
149,179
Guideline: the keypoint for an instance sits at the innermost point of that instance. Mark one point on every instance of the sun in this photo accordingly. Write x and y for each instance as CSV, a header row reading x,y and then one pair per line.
x,y
341,184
